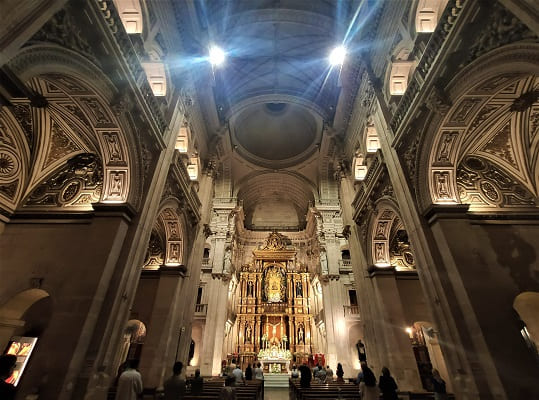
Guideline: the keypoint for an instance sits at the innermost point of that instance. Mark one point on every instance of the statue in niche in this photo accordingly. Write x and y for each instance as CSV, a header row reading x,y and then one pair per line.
x,y
226,261
324,261
362,355
300,334
380,257
248,333
250,288
299,289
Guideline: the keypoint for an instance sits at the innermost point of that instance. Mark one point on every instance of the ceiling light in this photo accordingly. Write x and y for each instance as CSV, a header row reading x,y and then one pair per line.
x,y
336,57
217,55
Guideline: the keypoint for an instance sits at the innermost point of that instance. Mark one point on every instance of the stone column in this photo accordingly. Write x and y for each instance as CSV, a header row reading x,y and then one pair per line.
x,y
215,326
159,341
396,352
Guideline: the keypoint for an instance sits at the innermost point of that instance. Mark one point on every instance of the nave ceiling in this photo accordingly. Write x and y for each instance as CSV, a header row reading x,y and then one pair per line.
x,y
273,101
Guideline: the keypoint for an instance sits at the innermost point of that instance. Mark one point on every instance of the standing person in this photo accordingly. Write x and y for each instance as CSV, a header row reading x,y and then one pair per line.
x,y
259,373
197,384
321,374
438,384
294,374
7,365
238,375
388,386
329,373
367,383
340,373
249,373
228,392
130,382
305,379
175,385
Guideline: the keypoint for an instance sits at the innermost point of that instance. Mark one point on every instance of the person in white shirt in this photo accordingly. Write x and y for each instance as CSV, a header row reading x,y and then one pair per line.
x,y
238,375
129,383
258,372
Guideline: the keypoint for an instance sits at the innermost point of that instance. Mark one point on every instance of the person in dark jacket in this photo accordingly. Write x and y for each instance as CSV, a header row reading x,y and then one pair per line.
x,y
197,384
387,385
249,373
306,376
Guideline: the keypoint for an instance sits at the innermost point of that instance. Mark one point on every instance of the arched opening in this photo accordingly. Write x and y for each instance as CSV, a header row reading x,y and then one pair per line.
x,y
487,133
526,305
23,320
390,245
425,343
133,340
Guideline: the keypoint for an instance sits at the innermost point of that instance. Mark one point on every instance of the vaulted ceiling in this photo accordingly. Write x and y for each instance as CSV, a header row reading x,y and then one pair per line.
x,y
273,96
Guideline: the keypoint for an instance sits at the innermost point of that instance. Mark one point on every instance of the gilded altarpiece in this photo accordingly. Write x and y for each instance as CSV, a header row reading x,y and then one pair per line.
x,y
274,320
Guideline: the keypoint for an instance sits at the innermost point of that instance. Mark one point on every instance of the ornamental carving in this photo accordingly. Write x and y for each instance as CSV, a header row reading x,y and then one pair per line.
x,y
483,184
61,29
500,28
400,252
79,183
156,249
276,241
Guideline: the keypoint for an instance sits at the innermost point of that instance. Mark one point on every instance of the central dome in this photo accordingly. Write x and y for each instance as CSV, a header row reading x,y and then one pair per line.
x,y
276,133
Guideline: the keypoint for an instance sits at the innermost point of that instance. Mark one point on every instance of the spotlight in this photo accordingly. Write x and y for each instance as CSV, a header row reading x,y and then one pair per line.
x,y
217,55
336,57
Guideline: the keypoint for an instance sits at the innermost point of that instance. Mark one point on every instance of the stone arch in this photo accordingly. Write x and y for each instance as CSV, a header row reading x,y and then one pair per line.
x,y
493,121
388,237
133,339
12,312
173,224
431,340
79,96
526,304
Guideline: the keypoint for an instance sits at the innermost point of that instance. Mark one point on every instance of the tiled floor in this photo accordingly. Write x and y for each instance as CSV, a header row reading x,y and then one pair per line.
x,y
275,393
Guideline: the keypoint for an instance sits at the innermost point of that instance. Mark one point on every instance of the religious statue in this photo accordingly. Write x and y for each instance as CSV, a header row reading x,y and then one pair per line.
x,y
362,355
250,288
248,334
299,289
300,334
323,261
226,261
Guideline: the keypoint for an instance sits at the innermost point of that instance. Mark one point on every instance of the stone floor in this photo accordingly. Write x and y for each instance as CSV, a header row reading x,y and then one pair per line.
x,y
274,393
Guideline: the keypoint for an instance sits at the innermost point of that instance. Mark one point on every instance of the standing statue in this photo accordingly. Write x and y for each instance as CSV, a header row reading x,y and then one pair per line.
x,y
250,288
362,355
324,261
248,334
227,261
299,289
300,334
